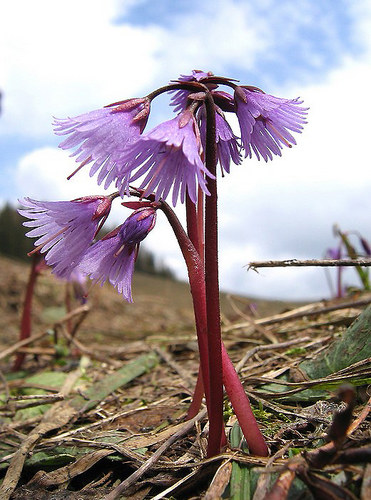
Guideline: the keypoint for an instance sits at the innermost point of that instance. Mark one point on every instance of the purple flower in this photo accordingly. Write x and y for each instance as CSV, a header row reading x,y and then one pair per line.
x,y
101,135
265,121
169,155
65,229
227,144
333,253
365,245
78,281
113,257
179,99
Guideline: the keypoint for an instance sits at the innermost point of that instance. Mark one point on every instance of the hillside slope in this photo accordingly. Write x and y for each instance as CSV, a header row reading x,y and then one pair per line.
x,y
161,306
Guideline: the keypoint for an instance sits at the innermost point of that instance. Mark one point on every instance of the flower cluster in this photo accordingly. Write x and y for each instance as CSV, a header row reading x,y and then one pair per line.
x,y
66,230
170,158
171,155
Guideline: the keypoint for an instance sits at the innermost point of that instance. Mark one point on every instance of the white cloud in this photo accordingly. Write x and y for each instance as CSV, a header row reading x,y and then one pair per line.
x,y
61,58
42,174
286,209
64,58
205,41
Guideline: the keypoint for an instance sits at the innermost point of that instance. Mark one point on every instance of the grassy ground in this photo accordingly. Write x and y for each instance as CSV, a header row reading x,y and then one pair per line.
x,y
161,306
107,407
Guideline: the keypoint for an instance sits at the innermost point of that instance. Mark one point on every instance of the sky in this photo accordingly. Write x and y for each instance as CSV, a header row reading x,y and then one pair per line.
x,y
65,58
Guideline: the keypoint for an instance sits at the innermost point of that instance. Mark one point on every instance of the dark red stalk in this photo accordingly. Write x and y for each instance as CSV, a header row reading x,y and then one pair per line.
x,y
195,229
200,223
192,224
198,393
242,408
25,331
212,285
195,237
197,286
231,380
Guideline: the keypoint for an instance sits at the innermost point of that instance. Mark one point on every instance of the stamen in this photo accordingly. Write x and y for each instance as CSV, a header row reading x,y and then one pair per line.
x,y
36,249
116,254
285,141
79,167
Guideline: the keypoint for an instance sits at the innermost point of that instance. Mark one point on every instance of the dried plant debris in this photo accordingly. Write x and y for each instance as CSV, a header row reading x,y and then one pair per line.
x,y
98,421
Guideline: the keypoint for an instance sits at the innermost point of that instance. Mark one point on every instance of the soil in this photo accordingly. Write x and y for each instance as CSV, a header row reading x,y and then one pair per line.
x,y
101,399
161,306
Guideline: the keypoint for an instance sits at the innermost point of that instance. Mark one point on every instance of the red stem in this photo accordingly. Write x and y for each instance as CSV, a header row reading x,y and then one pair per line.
x,y
200,224
198,393
25,331
212,285
196,238
242,408
197,286
192,224
231,380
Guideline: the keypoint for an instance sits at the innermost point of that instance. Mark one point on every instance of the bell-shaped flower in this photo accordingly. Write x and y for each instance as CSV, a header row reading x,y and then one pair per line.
x,y
169,157
100,136
265,121
113,257
180,97
227,144
65,229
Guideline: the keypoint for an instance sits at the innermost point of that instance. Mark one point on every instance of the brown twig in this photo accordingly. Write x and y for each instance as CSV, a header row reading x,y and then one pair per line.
x,y
154,458
309,310
38,336
309,263
10,350
187,379
268,347
85,350
53,419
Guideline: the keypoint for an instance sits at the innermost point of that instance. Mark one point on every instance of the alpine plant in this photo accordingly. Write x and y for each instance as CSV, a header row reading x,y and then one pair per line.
x,y
176,160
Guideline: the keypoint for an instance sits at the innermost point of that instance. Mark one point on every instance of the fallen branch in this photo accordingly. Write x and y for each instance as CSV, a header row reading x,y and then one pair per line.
x,y
268,347
155,457
38,336
309,262
308,310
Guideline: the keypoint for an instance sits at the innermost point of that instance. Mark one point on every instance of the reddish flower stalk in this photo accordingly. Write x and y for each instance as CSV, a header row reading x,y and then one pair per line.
x,y
231,380
192,216
27,308
212,285
198,393
197,286
242,408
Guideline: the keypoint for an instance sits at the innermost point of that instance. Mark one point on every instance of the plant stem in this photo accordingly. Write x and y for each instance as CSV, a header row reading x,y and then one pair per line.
x,y
198,393
200,224
231,380
192,224
212,285
25,331
196,237
242,408
197,286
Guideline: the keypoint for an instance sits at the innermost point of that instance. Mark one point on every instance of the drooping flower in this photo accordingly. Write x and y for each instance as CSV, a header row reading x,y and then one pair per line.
x,y
78,282
179,99
265,121
113,257
100,136
333,253
65,229
169,157
366,246
227,144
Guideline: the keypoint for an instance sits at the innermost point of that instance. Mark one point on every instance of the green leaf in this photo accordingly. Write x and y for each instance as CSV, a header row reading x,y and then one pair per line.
x,y
101,389
353,346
